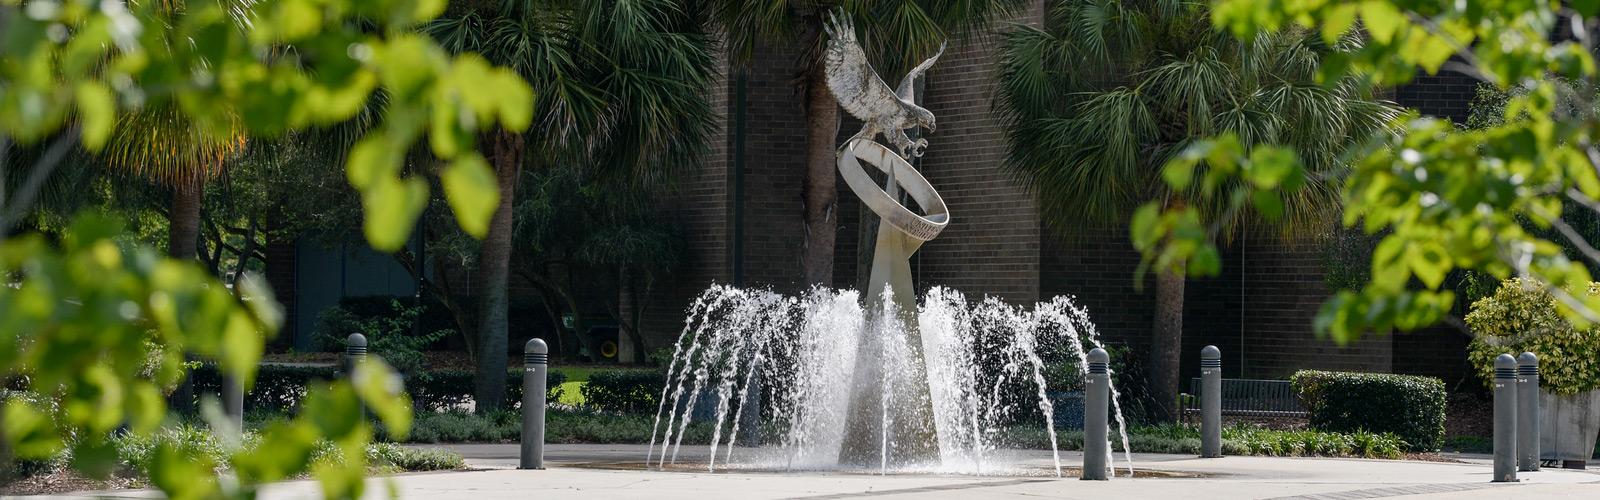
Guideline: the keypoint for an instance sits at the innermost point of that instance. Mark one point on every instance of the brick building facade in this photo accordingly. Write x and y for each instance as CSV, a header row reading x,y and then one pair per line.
x,y
741,214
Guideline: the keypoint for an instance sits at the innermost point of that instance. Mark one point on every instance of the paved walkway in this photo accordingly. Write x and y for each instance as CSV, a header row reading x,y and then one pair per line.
x,y
1224,478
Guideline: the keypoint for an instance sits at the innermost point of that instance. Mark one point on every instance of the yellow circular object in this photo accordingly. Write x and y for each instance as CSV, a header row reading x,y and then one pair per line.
x,y
608,349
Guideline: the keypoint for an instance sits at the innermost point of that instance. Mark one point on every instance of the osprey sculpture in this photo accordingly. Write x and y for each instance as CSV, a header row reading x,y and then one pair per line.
x,y
863,93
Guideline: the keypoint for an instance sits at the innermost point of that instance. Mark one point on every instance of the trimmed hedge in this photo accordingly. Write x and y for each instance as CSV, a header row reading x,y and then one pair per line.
x,y
1409,406
280,388
626,391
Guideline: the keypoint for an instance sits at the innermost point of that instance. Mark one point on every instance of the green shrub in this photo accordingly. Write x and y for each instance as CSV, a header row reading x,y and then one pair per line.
x,y
278,389
441,390
627,391
412,459
526,317
1241,440
1408,406
459,426
389,334
1522,316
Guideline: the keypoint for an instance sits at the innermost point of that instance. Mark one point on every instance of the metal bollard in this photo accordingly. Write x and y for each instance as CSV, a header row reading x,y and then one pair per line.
x,y
535,364
233,401
1210,402
355,352
1528,412
1505,419
1097,410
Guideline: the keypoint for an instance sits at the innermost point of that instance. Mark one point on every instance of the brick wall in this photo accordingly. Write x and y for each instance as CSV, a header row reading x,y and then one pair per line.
x,y
1446,95
1283,290
702,208
992,245
775,142
1439,351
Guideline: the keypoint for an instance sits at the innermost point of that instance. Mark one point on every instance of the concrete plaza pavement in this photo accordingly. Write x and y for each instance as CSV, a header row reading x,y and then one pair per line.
x,y
571,474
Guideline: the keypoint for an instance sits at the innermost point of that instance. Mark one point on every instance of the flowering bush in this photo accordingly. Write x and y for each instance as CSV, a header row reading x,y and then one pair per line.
x,y
1523,316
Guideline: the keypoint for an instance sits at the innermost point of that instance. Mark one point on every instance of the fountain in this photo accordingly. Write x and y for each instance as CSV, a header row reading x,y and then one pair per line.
x,y
889,385
977,359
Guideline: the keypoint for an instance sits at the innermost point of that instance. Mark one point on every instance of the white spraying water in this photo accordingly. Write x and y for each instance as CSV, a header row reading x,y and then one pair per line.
x,y
804,352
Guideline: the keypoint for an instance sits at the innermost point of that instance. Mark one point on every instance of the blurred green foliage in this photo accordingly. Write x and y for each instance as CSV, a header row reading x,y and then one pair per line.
x,y
1443,198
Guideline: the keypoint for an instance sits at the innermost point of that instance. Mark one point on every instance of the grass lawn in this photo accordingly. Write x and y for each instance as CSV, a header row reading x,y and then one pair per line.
x,y
571,393
577,375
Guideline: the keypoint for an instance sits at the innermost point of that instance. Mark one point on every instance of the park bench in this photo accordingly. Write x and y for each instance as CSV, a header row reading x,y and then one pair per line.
x,y
1248,398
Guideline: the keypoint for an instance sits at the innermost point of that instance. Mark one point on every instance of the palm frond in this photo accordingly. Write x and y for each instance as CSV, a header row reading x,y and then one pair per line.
x,y
1095,103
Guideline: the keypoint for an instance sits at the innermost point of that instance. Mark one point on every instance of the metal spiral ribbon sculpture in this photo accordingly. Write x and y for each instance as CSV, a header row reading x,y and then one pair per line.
x,y
881,414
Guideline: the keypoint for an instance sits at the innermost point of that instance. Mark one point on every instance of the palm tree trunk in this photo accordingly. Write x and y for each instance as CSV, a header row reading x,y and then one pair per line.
x,y
493,266
820,193
183,230
183,235
1166,343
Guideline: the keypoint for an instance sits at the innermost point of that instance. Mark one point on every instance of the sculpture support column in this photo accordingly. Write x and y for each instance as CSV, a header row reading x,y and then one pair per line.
x,y
900,234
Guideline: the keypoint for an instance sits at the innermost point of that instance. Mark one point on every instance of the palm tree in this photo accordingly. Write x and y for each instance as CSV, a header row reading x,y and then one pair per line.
x,y
159,145
620,86
1099,99
896,35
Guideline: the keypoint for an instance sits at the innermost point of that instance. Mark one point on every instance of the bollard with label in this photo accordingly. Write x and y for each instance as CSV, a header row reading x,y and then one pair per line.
x,y
355,351
1097,411
535,364
1505,419
1210,402
1527,412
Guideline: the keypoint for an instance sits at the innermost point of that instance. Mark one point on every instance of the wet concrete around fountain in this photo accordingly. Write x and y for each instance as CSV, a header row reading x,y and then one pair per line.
x,y
495,478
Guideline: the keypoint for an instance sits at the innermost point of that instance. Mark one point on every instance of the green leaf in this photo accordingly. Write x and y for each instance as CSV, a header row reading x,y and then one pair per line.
x,y
241,347
94,458
1179,173
1382,20
380,387
1336,21
371,160
146,407
1429,261
473,191
30,431
1586,7
98,111
1205,262
445,134
182,476
1270,166
1145,229
1268,203
391,208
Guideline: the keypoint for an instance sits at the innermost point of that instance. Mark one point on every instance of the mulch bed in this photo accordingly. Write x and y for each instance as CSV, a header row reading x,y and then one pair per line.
x,y
1468,414
64,482
1431,457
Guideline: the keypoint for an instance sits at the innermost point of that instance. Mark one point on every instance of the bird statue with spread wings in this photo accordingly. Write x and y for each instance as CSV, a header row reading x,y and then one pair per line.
x,y
863,93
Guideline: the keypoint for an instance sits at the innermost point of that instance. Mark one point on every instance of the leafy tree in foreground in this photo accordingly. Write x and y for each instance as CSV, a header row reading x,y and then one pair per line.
x,y
1447,198
86,322
621,89
1107,92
